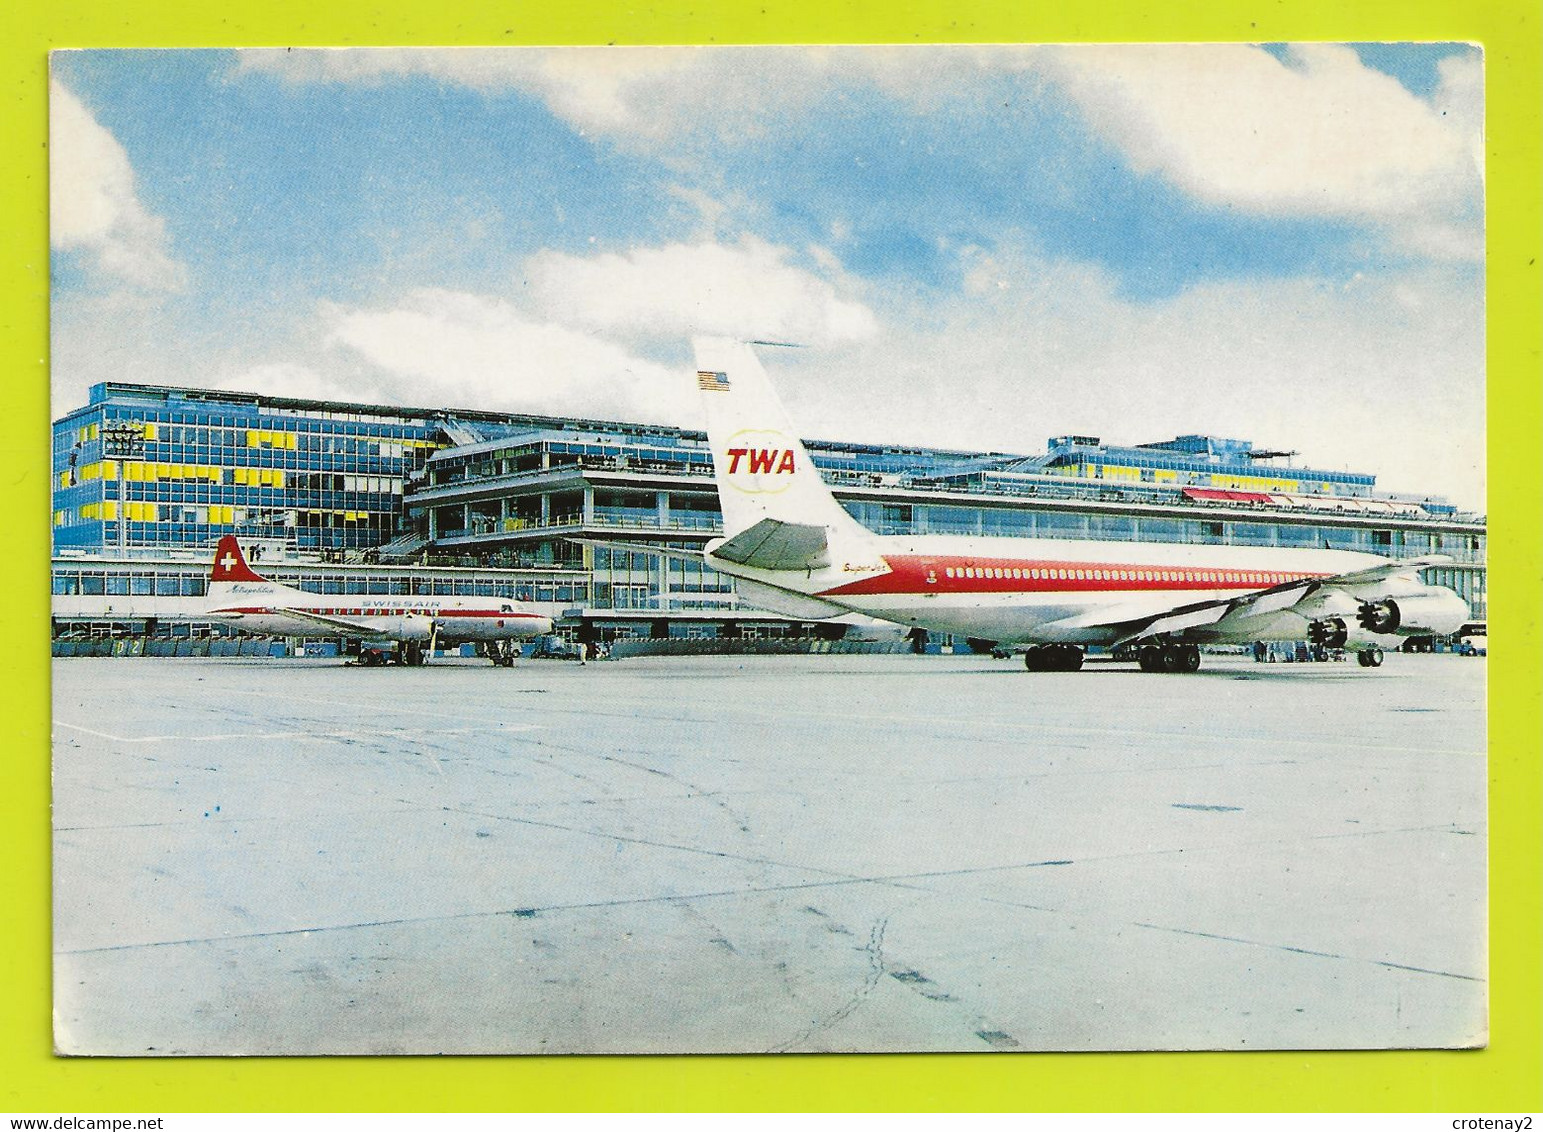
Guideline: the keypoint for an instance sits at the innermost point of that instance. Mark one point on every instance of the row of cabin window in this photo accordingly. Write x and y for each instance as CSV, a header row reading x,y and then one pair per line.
x,y
1243,577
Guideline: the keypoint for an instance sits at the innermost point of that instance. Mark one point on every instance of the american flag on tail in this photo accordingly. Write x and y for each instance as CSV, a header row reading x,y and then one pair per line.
x,y
712,382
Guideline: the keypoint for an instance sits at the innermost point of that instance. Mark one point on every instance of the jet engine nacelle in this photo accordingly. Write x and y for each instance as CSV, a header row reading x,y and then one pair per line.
x,y
1330,632
1433,609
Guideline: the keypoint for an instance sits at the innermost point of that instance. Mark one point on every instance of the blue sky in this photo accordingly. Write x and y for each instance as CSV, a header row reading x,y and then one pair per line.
x,y
1280,243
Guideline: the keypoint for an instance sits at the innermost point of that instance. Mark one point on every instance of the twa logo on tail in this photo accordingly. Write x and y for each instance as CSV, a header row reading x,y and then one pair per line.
x,y
759,461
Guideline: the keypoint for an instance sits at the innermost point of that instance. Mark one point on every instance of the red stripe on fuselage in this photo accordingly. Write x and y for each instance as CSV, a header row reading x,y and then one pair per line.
x,y
355,611
919,574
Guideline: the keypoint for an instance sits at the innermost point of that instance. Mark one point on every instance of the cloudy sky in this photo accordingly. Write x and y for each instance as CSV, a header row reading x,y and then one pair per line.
x,y
980,247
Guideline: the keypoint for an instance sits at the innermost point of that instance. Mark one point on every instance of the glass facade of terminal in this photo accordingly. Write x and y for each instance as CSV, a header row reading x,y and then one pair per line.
x,y
510,495
160,467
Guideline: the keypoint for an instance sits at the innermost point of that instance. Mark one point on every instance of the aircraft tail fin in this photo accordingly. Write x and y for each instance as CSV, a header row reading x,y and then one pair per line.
x,y
762,468
230,563
231,575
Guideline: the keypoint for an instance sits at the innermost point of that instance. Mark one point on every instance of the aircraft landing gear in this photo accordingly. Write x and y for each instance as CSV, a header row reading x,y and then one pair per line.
x,y
1168,658
411,652
502,653
1053,658
1369,658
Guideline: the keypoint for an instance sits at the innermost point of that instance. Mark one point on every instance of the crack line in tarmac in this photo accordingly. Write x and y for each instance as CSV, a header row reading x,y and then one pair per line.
x,y
632,715
391,732
451,916
252,819
874,949
837,879
1308,951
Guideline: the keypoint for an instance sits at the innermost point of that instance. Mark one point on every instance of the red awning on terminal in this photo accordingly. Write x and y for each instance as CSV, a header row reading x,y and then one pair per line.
x,y
1216,495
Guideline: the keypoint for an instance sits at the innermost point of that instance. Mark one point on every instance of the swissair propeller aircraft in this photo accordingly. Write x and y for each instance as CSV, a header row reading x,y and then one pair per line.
x,y
245,599
794,549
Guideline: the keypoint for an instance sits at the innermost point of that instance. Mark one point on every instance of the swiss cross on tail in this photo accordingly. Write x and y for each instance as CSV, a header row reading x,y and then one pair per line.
x,y
230,564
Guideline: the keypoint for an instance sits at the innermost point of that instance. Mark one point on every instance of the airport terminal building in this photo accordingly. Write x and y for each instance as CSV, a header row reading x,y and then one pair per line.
x,y
355,498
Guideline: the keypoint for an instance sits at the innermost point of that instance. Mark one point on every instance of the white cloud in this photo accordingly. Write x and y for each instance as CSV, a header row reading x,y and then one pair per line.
x,y
461,350
747,290
1320,135
304,381
654,97
631,92
1382,376
93,206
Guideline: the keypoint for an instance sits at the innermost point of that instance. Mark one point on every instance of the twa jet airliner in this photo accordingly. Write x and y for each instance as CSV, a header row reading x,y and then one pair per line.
x,y
794,549
245,599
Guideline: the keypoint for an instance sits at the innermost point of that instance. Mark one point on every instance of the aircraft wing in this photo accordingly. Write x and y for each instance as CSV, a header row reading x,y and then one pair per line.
x,y
337,624
1386,570
1272,600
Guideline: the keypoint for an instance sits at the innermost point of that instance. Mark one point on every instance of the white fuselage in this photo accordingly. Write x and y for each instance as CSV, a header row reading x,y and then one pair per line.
x,y
267,609
1016,590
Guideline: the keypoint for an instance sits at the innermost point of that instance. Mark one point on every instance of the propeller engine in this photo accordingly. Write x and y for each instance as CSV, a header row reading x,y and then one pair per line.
x,y
412,627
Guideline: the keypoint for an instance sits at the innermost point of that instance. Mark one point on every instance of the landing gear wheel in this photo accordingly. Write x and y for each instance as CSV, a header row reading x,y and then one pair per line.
x,y
1369,658
1169,658
1053,658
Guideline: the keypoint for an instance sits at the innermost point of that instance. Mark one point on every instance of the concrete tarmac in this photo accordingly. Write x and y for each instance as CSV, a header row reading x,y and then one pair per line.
x,y
756,854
